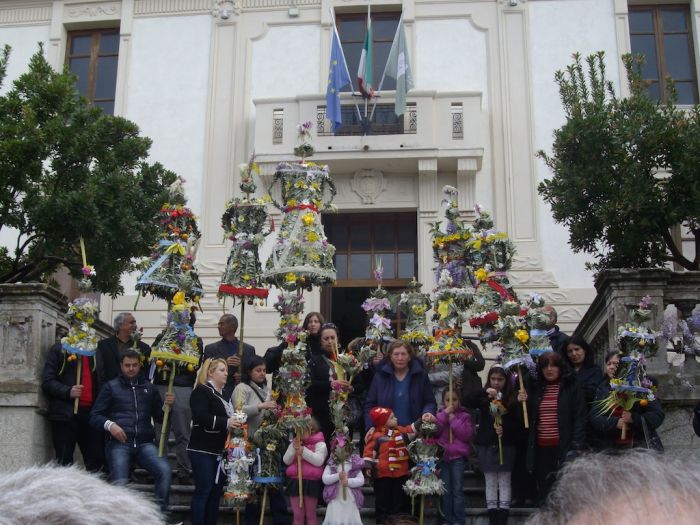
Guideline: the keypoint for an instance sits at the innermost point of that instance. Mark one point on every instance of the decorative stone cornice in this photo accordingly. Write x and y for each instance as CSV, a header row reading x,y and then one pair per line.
x,y
25,15
174,7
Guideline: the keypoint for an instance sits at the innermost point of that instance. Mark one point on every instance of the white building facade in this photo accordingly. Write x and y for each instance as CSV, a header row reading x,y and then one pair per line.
x,y
211,81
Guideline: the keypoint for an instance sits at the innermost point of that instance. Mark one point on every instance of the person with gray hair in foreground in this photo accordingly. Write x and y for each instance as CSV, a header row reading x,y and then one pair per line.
x,y
53,495
637,487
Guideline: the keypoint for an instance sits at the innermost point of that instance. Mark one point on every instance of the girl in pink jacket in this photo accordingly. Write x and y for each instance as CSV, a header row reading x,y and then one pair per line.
x,y
453,417
313,451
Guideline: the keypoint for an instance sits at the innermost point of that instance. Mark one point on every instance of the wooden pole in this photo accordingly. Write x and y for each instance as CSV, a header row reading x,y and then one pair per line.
x,y
422,509
78,377
240,339
522,387
623,434
344,493
238,516
262,505
166,412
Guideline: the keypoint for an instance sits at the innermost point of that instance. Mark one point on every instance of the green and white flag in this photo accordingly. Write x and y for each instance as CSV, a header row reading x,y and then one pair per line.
x,y
364,71
398,67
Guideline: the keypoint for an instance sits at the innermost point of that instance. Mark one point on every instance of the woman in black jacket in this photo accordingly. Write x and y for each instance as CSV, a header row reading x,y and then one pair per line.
x,y
641,421
211,420
312,324
557,414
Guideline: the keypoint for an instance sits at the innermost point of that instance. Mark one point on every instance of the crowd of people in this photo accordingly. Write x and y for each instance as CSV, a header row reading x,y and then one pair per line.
x,y
395,394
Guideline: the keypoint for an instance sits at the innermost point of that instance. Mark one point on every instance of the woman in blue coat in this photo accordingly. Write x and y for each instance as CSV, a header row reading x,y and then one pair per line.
x,y
401,384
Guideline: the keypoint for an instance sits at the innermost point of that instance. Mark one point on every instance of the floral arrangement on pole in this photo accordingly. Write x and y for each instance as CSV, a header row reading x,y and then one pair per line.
x,y
171,265
424,481
302,256
489,256
630,384
244,224
237,461
452,297
81,339
177,348
497,409
378,309
415,304
268,439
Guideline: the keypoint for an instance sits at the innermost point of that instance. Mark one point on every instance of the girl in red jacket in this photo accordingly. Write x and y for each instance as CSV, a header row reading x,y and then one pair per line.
x,y
312,449
455,429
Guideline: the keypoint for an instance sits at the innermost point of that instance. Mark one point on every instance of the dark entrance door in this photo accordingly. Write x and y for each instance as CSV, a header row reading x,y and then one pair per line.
x,y
362,240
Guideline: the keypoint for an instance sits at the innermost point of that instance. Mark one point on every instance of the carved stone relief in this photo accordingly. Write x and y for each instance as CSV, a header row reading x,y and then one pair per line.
x,y
368,184
15,343
92,11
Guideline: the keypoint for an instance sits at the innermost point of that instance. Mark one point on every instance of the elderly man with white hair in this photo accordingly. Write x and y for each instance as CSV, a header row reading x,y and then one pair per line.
x,y
110,349
638,487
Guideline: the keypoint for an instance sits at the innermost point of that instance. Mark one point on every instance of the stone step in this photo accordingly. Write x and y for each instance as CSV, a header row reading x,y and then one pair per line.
x,y
474,516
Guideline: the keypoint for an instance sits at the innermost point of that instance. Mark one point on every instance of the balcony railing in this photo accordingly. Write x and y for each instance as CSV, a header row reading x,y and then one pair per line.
x,y
384,121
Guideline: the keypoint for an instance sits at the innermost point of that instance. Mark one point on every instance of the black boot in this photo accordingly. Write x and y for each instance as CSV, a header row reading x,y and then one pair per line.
x,y
503,516
493,516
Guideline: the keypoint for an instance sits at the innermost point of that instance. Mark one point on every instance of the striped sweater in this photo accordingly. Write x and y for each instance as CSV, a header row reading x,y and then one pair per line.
x,y
548,428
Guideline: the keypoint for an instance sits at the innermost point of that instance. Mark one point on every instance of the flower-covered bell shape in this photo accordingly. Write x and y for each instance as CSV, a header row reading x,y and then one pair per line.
x,y
302,256
244,225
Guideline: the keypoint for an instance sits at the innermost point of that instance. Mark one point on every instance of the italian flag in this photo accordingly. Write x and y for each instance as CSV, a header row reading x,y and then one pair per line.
x,y
364,71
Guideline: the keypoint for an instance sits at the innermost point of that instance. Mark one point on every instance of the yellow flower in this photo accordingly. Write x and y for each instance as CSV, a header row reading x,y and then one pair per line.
x,y
477,244
271,447
300,184
418,309
312,236
522,336
291,203
308,219
315,186
246,277
444,308
481,275
290,278
179,298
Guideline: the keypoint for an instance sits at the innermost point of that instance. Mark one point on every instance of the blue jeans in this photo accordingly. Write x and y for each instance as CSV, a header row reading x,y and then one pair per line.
x,y
207,493
121,455
452,473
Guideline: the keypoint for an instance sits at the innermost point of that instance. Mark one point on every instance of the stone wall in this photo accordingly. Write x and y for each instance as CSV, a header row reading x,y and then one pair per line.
x,y
31,318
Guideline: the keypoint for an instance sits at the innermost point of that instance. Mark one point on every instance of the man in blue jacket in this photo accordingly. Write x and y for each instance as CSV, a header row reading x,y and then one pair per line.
x,y
124,408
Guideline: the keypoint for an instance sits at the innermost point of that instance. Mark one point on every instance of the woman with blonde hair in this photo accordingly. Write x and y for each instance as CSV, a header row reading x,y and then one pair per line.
x,y
211,420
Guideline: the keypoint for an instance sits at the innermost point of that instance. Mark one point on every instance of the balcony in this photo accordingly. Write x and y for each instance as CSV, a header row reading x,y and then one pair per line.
x,y
448,126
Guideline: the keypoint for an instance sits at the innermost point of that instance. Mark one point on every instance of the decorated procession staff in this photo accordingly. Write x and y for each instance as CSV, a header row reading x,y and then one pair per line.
x,y
301,258
81,339
171,267
453,295
237,459
630,384
415,304
244,225
347,366
489,257
378,309
179,347
424,481
268,440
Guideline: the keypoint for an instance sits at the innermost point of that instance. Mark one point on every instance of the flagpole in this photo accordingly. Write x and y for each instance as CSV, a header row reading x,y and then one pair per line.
x,y
381,82
345,62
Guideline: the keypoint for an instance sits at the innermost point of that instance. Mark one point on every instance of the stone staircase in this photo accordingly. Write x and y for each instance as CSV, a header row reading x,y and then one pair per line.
x,y
474,498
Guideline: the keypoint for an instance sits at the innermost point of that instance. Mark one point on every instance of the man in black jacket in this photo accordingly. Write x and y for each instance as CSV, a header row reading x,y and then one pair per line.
x,y
123,339
58,382
557,338
227,349
124,409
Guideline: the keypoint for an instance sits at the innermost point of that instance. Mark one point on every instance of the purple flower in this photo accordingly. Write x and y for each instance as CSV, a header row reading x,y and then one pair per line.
x,y
374,304
379,321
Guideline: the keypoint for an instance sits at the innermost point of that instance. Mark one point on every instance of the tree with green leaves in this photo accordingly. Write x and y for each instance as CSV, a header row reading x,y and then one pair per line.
x,y
626,170
68,170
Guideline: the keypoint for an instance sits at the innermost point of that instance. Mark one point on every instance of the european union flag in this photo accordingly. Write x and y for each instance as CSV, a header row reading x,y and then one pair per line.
x,y
338,78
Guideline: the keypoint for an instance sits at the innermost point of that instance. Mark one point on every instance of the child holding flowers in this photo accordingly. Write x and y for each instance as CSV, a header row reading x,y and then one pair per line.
x,y
500,422
343,485
455,418
313,451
